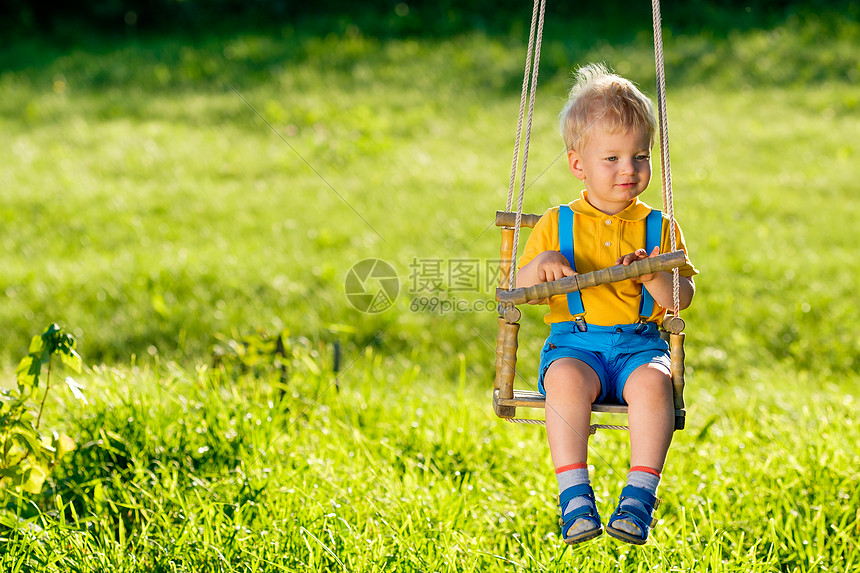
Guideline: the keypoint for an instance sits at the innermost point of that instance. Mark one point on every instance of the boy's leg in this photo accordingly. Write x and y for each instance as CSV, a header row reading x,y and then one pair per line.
x,y
651,417
571,387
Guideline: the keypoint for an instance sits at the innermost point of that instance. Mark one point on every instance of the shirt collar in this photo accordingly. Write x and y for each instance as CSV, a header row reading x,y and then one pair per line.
x,y
636,211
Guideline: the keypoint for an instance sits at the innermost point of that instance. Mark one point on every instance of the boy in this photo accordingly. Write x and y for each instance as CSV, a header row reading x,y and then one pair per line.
x,y
604,344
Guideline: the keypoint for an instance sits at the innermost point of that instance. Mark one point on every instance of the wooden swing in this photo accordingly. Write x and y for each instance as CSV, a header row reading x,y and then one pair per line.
x,y
506,399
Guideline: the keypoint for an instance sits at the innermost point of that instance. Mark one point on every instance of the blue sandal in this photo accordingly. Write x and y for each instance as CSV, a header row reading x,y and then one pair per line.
x,y
586,512
634,515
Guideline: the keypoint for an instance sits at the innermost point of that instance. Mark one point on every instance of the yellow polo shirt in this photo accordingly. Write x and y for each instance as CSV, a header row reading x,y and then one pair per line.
x,y
600,240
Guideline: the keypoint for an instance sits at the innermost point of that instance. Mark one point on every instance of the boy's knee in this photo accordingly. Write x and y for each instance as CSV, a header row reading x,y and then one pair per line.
x,y
572,375
650,379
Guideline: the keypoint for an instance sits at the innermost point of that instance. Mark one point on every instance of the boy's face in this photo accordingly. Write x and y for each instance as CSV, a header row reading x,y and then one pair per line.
x,y
615,167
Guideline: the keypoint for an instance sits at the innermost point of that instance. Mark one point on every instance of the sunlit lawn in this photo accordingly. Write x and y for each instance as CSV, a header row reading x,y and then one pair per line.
x,y
160,196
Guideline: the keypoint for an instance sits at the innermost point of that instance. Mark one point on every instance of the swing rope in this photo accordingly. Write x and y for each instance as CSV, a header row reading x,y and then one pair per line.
x,y
515,161
531,63
592,429
665,166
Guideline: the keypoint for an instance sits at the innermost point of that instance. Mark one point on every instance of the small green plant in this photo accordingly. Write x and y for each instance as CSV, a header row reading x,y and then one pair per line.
x,y
27,455
260,351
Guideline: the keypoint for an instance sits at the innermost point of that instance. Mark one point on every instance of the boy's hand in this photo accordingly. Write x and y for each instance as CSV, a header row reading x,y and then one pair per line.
x,y
553,266
638,255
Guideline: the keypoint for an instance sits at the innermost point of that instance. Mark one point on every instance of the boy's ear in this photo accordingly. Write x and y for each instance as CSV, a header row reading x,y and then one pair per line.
x,y
575,164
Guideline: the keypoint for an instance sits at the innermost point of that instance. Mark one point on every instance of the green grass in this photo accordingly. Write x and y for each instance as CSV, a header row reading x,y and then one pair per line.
x,y
185,471
148,207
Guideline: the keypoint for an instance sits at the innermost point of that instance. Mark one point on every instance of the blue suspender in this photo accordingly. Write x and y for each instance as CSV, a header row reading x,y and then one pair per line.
x,y
653,236
565,239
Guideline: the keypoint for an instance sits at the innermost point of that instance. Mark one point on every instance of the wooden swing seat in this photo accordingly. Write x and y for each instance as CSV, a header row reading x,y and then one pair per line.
x,y
506,399
532,399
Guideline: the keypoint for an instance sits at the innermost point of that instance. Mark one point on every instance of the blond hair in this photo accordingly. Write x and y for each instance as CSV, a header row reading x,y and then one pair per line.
x,y
602,98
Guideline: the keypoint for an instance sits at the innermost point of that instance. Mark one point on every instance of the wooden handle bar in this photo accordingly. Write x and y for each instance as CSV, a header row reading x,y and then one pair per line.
x,y
611,274
507,219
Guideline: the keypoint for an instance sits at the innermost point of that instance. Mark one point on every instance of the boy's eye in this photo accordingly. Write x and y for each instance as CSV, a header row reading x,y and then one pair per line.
x,y
612,158
643,157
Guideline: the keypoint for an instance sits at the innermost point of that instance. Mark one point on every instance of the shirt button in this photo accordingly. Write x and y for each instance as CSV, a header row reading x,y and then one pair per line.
x,y
608,243
608,221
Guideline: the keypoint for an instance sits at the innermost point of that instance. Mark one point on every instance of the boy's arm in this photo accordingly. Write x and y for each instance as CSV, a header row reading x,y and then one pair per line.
x,y
547,266
660,284
545,262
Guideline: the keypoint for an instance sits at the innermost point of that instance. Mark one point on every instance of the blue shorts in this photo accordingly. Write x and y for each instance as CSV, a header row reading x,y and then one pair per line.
x,y
613,352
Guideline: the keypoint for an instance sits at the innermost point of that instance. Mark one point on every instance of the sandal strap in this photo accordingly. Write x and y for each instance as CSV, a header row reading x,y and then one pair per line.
x,y
643,518
575,491
588,510
641,495
581,511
